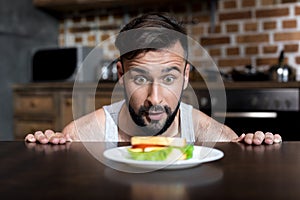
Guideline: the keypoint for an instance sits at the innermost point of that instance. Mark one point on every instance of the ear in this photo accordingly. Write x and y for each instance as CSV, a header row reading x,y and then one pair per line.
x,y
186,75
120,72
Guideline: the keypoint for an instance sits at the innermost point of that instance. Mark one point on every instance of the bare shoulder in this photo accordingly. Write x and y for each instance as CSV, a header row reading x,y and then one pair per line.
x,y
90,127
208,129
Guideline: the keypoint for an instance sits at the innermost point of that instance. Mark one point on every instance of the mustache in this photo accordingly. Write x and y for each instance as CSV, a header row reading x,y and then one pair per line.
x,y
155,108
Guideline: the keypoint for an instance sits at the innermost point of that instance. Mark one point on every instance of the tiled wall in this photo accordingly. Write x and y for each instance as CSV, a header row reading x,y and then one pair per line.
x,y
246,31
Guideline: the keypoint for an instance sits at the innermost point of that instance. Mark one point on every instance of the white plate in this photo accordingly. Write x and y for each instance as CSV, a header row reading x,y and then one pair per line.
x,y
200,155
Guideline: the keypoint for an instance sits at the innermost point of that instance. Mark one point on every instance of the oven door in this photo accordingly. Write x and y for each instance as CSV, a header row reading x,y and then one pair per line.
x,y
285,123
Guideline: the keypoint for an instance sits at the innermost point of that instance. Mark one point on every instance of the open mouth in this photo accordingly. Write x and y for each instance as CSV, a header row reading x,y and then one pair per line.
x,y
155,116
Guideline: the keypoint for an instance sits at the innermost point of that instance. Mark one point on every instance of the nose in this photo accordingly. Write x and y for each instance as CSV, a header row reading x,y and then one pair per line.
x,y
154,94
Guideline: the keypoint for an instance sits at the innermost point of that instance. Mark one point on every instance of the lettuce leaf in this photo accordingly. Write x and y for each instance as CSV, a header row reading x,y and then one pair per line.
x,y
160,155
188,150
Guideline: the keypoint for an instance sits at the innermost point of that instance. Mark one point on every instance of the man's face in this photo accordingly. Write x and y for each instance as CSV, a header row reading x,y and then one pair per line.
x,y
153,83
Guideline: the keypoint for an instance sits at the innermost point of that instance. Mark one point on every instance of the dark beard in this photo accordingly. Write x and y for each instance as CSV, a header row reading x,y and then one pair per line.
x,y
139,121
137,118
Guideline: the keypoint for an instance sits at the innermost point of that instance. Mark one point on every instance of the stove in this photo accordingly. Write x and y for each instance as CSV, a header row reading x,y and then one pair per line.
x,y
267,109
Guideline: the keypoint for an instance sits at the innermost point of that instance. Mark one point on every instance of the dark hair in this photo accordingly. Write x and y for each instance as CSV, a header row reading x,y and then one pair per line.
x,y
150,32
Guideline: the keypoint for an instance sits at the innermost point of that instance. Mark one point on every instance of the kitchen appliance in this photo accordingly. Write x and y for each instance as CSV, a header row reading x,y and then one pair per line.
x,y
267,109
63,64
282,72
108,71
249,73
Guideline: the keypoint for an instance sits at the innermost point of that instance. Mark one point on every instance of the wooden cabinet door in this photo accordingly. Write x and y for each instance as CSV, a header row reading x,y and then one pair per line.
x,y
33,111
71,107
34,104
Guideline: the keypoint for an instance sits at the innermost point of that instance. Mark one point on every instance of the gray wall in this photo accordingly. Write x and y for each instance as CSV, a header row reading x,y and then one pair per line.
x,y
23,28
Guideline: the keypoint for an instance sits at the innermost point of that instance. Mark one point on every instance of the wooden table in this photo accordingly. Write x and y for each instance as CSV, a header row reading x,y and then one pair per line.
x,y
35,171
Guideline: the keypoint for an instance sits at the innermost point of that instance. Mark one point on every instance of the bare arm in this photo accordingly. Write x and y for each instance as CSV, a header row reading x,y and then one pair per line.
x,y
209,130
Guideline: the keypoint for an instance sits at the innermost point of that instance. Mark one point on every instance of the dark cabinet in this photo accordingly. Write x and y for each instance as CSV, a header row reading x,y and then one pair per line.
x,y
71,5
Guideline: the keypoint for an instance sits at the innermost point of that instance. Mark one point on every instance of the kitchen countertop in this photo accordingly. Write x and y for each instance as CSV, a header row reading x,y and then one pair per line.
x,y
36,171
195,85
262,84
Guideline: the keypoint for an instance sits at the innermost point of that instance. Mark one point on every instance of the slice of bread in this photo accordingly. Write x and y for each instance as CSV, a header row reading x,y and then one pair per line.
x,y
158,140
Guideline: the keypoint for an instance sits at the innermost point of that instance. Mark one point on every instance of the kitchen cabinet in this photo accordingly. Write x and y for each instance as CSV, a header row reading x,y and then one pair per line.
x,y
34,110
41,106
81,5
65,109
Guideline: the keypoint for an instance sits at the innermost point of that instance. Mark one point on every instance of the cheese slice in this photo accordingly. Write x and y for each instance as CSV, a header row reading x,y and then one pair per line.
x,y
158,140
148,149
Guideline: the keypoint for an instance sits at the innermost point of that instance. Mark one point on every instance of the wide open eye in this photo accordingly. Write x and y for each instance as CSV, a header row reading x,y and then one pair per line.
x,y
140,80
168,80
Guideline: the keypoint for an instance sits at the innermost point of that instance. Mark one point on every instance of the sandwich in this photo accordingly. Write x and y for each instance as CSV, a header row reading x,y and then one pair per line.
x,y
159,148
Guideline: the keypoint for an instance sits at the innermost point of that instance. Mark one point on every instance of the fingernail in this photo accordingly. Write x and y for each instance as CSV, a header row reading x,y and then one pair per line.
x,y
269,141
277,140
62,141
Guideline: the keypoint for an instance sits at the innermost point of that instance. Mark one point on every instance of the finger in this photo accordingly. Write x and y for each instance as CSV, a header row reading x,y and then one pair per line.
x,y
30,138
249,138
58,138
269,138
62,138
49,133
277,138
54,140
239,139
258,137
39,135
68,137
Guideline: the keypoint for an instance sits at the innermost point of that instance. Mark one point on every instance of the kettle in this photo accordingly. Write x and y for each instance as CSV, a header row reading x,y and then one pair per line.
x,y
108,71
282,72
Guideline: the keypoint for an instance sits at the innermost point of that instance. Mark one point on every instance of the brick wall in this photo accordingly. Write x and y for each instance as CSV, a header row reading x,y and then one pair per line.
x,y
245,32
254,32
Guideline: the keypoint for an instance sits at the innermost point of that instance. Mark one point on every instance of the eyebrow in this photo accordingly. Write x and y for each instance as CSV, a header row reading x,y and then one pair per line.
x,y
166,70
170,69
139,70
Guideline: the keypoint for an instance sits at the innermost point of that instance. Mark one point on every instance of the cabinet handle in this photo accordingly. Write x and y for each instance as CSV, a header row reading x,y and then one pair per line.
x,y
68,102
32,104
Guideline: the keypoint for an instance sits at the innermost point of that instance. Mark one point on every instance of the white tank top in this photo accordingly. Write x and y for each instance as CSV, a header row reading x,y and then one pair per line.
x,y
112,113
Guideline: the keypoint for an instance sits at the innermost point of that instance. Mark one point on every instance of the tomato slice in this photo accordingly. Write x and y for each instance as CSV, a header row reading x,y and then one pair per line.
x,y
143,146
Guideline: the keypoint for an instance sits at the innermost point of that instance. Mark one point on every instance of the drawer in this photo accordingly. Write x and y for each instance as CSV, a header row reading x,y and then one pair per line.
x,y
37,104
23,127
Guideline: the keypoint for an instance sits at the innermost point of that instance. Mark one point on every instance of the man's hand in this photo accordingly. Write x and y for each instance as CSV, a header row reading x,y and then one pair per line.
x,y
258,138
48,136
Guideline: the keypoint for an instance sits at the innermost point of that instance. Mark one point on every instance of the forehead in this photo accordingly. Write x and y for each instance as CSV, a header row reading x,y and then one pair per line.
x,y
173,56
